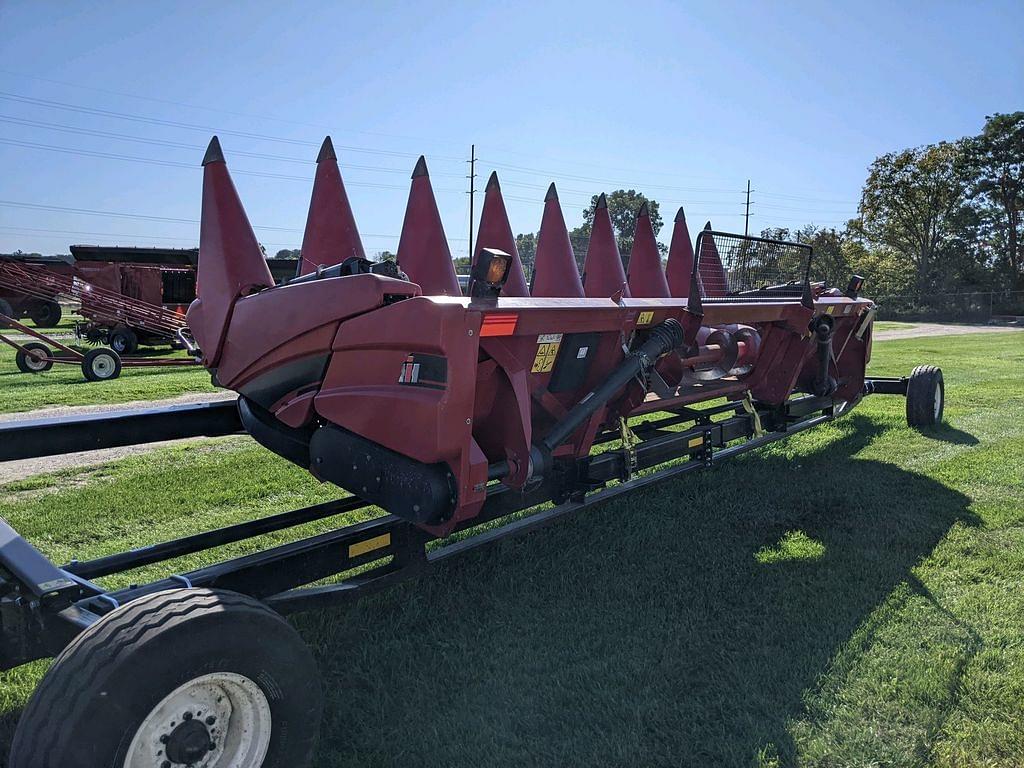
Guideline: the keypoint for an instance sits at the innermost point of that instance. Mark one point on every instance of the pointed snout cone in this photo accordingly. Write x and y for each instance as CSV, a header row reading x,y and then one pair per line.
x,y
646,277
331,235
712,273
555,274
496,232
603,275
423,252
679,269
231,263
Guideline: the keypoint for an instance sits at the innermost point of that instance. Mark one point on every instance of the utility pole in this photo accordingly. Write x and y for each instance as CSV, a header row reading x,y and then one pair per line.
x,y
746,217
472,190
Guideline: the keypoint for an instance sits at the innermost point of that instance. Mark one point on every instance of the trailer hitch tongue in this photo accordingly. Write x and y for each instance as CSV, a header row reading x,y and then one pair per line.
x,y
662,339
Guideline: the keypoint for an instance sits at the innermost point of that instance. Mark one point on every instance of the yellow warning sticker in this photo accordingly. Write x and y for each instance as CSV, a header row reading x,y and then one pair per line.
x,y
831,309
695,441
545,359
362,547
646,318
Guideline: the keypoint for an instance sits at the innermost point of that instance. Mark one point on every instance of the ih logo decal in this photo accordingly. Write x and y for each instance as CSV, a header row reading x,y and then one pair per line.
x,y
547,351
646,318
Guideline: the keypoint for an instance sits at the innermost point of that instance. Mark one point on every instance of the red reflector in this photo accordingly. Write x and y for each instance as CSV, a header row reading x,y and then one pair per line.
x,y
498,325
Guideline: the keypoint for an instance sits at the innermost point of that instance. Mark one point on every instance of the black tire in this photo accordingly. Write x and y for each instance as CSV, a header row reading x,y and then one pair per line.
x,y
45,314
101,364
28,363
123,340
109,681
7,309
926,397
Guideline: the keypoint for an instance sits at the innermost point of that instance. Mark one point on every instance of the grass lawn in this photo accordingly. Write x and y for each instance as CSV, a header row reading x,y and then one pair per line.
x,y
850,597
893,325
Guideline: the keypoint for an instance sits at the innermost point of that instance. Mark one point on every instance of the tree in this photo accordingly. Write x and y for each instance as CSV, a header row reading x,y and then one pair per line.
x,y
526,247
830,261
995,161
622,207
285,253
913,202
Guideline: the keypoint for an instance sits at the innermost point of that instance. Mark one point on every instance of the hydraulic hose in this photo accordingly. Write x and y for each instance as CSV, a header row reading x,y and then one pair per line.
x,y
663,338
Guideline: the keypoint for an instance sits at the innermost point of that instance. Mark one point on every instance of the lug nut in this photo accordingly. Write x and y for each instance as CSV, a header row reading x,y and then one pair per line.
x,y
187,716
163,739
211,746
211,720
165,764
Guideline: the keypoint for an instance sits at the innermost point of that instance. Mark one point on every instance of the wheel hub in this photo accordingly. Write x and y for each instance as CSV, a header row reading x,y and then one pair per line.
x,y
189,742
219,720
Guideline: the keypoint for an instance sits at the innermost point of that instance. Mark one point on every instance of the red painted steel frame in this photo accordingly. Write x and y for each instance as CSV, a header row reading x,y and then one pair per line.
x,y
473,384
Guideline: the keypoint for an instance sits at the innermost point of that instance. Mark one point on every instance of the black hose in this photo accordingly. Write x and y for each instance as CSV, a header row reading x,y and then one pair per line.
x,y
663,338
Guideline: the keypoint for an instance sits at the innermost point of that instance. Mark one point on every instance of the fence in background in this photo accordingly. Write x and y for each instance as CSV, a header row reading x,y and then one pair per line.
x,y
972,307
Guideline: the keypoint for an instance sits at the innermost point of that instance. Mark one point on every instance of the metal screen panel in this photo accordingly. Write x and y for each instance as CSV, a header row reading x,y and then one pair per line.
x,y
731,265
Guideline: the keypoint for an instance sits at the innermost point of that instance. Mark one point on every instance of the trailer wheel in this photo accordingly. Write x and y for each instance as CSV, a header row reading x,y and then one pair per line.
x,y
186,677
926,397
45,314
31,358
101,364
7,309
123,340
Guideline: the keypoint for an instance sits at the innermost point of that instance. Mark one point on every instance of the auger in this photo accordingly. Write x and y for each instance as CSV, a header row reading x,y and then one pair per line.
x,y
445,408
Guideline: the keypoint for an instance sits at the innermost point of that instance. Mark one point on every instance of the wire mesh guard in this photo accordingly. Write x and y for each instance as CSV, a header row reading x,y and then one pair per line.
x,y
730,265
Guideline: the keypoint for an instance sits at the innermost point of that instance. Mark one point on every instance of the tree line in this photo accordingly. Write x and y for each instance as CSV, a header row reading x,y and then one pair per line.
x,y
942,218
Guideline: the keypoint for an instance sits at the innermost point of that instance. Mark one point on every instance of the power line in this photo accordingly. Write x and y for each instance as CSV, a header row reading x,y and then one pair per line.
x,y
149,217
196,148
193,167
219,110
7,96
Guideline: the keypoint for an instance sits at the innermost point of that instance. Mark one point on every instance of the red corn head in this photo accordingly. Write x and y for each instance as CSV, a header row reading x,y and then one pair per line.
x,y
603,275
555,274
496,232
422,248
331,235
712,274
680,258
231,263
646,277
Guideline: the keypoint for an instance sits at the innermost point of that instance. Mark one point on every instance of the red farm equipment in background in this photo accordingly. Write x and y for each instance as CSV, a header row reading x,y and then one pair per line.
x,y
446,411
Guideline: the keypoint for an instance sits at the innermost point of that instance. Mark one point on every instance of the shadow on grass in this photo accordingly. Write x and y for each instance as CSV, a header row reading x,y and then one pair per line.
x,y
950,434
682,626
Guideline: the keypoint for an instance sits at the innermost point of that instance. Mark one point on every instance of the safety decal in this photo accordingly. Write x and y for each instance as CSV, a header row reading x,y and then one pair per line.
x,y
646,318
546,354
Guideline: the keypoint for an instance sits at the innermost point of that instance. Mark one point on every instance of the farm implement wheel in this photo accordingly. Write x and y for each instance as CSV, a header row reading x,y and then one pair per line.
x,y
6,309
101,364
45,314
31,358
926,397
123,340
194,677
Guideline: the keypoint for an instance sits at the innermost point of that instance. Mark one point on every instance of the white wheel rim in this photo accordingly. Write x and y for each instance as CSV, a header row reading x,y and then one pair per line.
x,y
233,710
33,362
103,365
938,401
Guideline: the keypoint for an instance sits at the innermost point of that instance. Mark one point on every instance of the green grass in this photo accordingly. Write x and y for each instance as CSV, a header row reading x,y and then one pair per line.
x,y
65,384
849,597
893,325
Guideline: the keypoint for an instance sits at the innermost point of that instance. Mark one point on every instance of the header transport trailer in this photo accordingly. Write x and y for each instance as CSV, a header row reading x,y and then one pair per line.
x,y
513,404
164,278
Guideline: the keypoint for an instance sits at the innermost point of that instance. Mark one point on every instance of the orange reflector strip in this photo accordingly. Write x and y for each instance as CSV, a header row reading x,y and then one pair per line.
x,y
499,325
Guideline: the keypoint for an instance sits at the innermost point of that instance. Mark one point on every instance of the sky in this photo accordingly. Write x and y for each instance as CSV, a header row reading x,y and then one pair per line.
x,y
106,108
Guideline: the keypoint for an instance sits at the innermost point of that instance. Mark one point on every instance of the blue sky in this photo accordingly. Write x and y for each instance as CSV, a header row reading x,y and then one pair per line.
x,y
683,101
